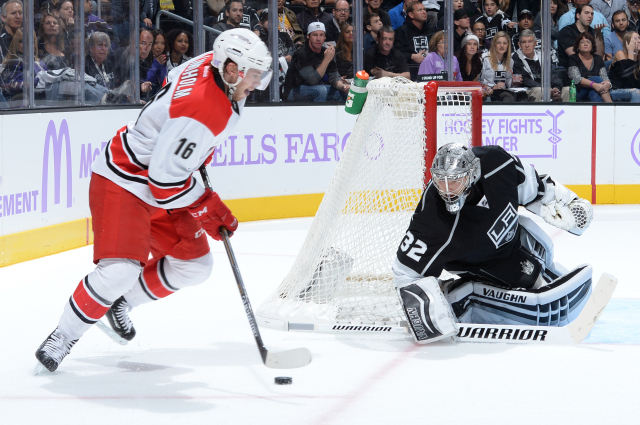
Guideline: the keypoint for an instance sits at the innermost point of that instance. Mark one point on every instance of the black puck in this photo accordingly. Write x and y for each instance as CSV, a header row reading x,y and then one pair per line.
x,y
284,380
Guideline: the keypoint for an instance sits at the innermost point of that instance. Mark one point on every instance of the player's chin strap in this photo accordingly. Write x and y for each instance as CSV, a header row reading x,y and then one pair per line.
x,y
562,208
230,86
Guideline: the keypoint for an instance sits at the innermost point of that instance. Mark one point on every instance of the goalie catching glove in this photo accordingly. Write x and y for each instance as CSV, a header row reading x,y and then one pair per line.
x,y
562,208
213,214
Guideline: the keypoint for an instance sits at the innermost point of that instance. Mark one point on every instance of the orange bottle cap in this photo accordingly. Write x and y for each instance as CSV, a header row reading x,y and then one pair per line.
x,y
362,75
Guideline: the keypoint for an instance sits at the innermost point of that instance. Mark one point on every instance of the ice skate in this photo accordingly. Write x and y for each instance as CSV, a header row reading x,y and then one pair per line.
x,y
119,319
54,349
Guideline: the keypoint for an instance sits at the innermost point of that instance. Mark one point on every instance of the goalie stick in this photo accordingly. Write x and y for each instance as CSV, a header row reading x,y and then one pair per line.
x,y
288,359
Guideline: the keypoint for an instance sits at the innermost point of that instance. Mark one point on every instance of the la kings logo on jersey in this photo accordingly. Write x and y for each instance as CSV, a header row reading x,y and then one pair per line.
x,y
504,229
420,42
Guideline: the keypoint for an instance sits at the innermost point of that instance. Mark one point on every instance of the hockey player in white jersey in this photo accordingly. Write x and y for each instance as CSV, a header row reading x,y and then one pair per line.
x,y
144,199
467,223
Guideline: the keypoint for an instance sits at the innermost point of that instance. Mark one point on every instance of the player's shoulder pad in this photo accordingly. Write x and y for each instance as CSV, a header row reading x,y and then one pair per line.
x,y
493,158
197,96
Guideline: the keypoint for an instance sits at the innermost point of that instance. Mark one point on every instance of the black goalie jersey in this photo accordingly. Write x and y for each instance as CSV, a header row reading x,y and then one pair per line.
x,y
484,236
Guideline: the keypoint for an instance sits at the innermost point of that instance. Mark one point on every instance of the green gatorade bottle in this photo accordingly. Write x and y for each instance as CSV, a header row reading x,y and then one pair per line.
x,y
357,93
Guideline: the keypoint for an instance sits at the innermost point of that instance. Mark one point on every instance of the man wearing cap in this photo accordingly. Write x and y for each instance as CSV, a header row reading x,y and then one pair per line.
x,y
341,17
632,14
525,22
373,6
384,60
526,62
312,13
313,74
608,7
462,24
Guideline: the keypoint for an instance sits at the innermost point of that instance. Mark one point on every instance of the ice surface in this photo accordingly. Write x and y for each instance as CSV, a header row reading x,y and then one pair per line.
x,y
194,360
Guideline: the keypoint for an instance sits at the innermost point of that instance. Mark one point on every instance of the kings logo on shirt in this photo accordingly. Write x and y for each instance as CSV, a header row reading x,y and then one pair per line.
x,y
504,229
187,79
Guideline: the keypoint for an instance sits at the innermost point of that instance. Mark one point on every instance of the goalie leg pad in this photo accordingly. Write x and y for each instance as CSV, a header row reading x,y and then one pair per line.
x,y
556,304
428,312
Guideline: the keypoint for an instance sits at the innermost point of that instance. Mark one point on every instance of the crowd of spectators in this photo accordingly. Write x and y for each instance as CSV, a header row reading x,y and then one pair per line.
x,y
497,43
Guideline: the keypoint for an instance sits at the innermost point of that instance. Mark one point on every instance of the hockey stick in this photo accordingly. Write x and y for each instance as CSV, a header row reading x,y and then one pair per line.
x,y
289,359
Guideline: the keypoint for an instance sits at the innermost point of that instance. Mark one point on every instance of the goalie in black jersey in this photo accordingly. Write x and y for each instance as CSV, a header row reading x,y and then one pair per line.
x,y
467,223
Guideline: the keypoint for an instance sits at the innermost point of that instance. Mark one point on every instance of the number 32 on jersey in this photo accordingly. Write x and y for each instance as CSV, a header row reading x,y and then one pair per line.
x,y
418,248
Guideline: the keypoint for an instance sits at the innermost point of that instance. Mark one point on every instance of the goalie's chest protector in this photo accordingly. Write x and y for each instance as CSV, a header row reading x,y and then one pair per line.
x,y
485,229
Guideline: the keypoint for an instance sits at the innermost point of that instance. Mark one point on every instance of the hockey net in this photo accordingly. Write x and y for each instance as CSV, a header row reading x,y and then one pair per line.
x,y
341,279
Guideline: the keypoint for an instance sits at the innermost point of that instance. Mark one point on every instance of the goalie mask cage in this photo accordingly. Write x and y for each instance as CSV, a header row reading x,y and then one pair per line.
x,y
341,280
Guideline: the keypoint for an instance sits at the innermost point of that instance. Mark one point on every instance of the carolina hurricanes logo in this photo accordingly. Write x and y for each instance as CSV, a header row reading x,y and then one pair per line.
x,y
241,74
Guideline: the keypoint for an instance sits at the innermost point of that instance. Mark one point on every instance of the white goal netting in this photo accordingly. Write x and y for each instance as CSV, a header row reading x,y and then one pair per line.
x,y
342,274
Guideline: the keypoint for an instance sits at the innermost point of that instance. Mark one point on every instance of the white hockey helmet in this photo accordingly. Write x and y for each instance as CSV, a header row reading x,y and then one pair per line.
x,y
454,170
246,50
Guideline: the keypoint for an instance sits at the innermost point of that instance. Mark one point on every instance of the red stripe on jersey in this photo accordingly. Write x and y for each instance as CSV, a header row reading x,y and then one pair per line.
x,y
197,96
164,193
120,159
91,308
151,280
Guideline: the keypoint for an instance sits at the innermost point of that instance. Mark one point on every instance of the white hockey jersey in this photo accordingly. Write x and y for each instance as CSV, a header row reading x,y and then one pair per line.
x,y
155,157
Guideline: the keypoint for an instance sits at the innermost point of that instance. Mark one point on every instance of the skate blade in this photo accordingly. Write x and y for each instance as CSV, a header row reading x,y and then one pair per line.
x,y
111,333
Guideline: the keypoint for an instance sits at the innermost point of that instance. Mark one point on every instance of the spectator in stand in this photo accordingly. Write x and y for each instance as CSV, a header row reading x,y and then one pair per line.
x,y
180,47
373,6
97,63
526,62
313,75
340,18
12,71
344,52
456,5
507,7
632,14
146,59
623,72
496,19
497,69
92,22
558,8
412,37
158,71
608,7
148,11
479,28
51,43
249,17
313,13
372,25
598,20
288,22
462,24
233,13
120,21
588,72
613,42
12,21
399,14
384,60
569,34
286,49
434,64
64,10
525,22
469,58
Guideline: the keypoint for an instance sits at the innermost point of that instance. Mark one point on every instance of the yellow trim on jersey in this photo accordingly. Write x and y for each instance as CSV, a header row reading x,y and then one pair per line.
x,y
32,244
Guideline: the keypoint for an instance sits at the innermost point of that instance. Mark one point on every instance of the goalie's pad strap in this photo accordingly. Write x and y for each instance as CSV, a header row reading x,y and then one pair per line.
x,y
556,304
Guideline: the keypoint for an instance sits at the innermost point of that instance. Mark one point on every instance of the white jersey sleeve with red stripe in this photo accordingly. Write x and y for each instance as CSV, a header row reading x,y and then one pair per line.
x,y
155,157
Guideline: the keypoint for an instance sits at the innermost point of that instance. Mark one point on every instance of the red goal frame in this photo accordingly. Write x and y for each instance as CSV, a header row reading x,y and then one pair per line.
x,y
431,116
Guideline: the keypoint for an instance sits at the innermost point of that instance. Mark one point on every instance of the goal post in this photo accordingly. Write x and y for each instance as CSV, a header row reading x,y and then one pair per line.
x,y
341,280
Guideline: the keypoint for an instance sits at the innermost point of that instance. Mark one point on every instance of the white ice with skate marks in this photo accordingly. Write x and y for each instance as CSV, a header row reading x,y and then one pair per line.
x,y
194,359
